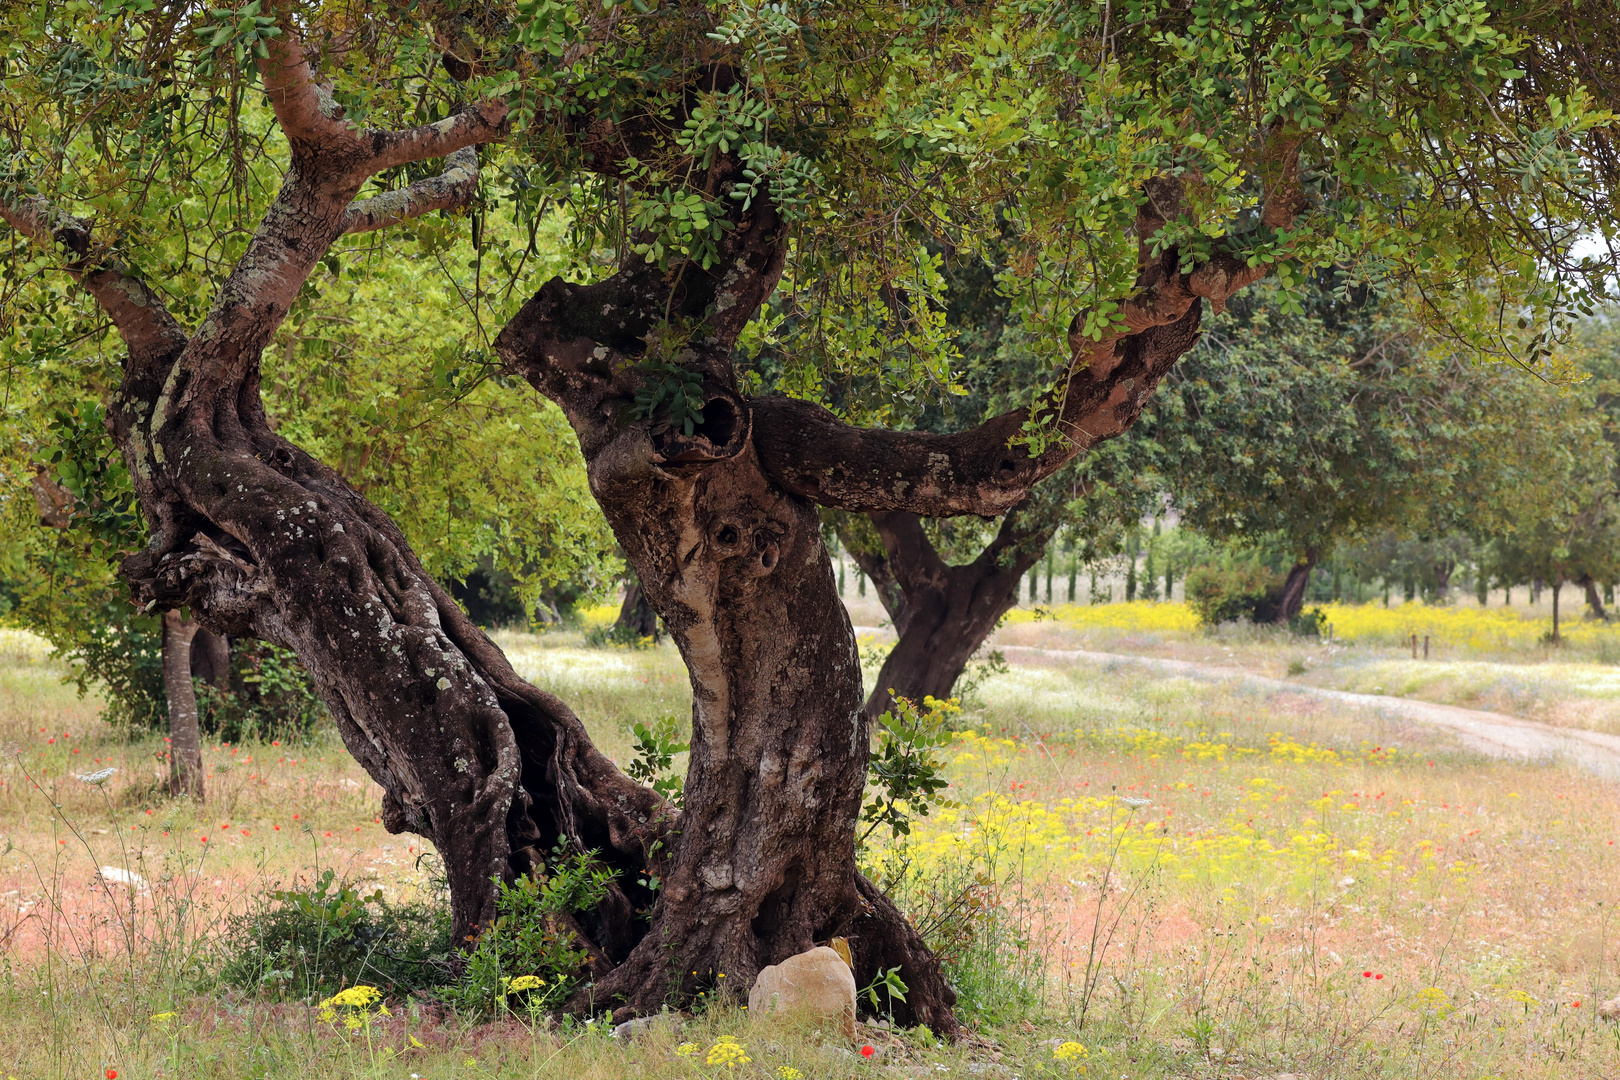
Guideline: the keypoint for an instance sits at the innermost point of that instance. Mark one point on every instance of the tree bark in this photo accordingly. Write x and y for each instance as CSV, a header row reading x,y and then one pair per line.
x,y
947,612
185,740
1594,600
1292,598
211,657
636,615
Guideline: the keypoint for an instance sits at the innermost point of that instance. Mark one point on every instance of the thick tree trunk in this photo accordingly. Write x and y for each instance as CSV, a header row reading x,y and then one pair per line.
x,y
185,740
949,610
636,615
763,864
1292,597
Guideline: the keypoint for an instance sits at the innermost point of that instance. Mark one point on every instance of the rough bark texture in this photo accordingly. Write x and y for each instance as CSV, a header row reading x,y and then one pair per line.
x,y
720,525
185,740
942,613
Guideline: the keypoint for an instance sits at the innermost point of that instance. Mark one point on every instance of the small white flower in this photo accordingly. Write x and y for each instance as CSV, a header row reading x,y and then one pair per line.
x,y
1135,804
100,776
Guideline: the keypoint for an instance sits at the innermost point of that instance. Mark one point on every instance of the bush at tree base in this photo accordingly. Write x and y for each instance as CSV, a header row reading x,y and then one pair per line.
x,y
305,944
268,694
1230,590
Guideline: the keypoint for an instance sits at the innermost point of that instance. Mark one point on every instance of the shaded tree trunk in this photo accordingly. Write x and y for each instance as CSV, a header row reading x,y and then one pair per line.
x,y
1557,587
185,740
943,613
211,657
1594,601
636,615
1292,597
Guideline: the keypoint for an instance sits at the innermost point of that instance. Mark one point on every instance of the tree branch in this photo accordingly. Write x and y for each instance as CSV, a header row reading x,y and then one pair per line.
x,y
451,189
1101,392
483,122
314,123
142,319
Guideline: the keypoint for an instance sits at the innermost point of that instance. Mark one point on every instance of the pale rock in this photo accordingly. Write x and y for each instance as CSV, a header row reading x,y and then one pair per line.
x,y
1610,1010
817,982
119,876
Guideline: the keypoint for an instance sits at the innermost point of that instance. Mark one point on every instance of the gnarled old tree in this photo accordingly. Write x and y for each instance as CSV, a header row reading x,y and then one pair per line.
x,y
1137,162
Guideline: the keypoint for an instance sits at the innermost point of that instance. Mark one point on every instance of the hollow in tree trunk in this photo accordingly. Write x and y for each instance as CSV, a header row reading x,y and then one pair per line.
x,y
185,740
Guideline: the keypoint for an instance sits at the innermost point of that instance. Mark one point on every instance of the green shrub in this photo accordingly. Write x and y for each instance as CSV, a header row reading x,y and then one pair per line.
x,y
527,958
307,944
268,695
1228,591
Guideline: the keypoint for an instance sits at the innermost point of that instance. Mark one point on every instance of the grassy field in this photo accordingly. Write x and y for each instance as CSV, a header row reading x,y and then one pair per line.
x,y
1292,887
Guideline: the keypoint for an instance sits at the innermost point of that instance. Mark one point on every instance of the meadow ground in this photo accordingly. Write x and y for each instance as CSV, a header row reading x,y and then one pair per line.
x,y
1190,879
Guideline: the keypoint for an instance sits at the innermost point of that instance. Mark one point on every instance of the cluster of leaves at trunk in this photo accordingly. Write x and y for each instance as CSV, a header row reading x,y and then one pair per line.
x,y
906,770
655,750
527,957
671,394
306,943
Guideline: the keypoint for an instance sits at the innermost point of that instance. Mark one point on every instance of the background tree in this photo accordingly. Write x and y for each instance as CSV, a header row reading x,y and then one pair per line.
x,y
1135,164
1328,425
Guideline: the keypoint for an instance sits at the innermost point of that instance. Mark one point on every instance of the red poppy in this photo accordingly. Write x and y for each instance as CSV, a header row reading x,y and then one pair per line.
x,y
867,1051
1378,976
1366,974
112,1074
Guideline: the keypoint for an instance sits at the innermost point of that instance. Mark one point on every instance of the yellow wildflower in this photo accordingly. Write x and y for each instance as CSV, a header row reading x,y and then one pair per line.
x,y
686,1049
1072,1054
523,982
788,1072
729,1052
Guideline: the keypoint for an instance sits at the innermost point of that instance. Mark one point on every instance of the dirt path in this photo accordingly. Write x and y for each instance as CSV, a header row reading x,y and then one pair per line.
x,y
1491,733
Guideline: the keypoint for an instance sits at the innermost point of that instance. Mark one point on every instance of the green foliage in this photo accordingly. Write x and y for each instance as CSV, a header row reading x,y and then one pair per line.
x,y
526,959
1233,588
907,771
119,653
267,695
673,394
304,944
655,748
891,984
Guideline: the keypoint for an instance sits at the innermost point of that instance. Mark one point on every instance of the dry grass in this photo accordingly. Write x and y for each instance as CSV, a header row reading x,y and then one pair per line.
x,y
1220,932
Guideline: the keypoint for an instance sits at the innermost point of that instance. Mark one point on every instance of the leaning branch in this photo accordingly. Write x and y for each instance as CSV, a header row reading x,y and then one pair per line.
x,y
454,188
1101,391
